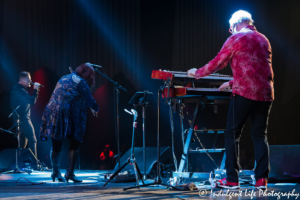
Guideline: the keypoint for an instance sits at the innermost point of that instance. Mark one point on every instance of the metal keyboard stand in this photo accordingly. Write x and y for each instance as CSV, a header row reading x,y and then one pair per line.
x,y
188,138
182,170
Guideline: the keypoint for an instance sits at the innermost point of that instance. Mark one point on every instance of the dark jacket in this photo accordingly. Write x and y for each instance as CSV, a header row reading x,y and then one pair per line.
x,y
20,97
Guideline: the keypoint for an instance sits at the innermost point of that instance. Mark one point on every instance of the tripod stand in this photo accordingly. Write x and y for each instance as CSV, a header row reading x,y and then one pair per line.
x,y
131,159
17,134
157,180
141,98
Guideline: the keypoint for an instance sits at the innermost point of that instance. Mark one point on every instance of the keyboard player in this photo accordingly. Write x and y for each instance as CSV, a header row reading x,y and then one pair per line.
x,y
250,56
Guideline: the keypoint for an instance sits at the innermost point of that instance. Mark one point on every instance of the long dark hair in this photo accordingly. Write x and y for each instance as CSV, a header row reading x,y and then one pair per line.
x,y
86,71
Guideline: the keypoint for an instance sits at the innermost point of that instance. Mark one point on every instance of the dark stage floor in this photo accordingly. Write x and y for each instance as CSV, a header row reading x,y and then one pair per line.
x,y
92,188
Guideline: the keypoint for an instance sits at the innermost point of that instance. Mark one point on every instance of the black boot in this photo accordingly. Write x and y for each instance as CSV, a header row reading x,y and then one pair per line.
x,y
72,157
55,157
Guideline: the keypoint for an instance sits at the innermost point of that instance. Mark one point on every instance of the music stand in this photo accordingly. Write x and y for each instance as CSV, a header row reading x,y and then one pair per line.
x,y
141,98
157,180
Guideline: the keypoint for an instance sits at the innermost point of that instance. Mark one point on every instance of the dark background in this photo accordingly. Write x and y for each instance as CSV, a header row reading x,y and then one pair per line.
x,y
130,39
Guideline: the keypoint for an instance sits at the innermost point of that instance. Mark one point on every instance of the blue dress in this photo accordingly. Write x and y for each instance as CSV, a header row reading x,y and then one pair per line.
x,y
66,112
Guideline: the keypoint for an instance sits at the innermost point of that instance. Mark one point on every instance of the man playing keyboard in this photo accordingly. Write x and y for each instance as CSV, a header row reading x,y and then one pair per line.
x,y
250,56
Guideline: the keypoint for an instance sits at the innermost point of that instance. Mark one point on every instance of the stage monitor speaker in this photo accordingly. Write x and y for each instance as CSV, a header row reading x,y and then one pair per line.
x,y
165,158
285,162
8,159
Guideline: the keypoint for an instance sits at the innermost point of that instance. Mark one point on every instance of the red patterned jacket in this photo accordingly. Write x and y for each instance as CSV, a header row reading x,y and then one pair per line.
x,y
250,55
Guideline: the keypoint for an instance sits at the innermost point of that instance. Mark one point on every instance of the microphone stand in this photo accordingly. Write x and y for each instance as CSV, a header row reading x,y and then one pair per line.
x,y
7,131
14,111
131,160
117,88
17,134
141,98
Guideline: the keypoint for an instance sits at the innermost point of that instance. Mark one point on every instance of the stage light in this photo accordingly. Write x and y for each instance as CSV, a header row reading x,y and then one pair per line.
x,y
98,14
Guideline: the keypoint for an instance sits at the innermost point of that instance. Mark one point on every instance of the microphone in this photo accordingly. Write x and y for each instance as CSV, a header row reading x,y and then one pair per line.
x,y
37,83
97,66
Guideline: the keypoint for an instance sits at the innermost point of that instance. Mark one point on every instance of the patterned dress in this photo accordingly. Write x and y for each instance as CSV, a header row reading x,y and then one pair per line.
x,y
250,55
66,112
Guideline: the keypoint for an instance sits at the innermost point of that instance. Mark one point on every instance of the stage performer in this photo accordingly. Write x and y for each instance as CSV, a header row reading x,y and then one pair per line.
x,y
65,117
19,96
250,56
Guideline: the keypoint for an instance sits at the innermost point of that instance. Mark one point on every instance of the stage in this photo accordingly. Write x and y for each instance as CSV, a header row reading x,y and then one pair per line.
x,y
12,186
161,86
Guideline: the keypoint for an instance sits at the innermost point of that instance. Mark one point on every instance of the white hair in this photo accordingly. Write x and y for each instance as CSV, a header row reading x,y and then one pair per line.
x,y
240,16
